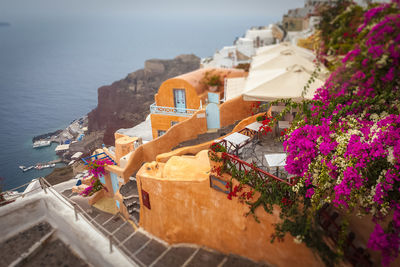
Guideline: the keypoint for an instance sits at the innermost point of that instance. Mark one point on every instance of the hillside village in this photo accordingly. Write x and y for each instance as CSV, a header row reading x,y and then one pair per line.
x,y
279,136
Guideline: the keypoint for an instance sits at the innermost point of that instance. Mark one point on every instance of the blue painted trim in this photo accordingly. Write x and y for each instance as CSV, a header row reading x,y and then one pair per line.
x,y
217,187
114,182
101,155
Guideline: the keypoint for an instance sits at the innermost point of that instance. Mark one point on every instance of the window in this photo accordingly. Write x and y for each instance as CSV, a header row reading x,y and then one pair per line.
x,y
160,132
174,122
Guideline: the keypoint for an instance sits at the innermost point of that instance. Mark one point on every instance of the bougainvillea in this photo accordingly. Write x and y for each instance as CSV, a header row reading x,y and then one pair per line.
x,y
96,169
347,149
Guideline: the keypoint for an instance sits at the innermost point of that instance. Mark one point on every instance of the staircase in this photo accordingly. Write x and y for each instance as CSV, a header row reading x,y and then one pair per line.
x,y
129,192
37,246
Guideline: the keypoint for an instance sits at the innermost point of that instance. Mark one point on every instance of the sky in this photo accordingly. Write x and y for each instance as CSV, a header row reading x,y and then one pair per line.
x,y
24,9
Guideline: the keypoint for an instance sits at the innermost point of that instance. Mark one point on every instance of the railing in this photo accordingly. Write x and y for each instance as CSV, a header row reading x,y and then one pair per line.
x,y
172,111
244,166
101,155
79,214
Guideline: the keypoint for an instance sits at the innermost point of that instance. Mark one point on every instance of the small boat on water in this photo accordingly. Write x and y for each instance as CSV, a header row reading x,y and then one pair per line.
x,y
38,166
24,169
41,143
44,166
27,168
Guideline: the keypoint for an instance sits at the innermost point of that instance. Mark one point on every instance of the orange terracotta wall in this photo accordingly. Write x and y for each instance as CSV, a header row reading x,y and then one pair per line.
x,y
165,95
193,150
192,212
231,111
163,122
235,109
186,130
123,146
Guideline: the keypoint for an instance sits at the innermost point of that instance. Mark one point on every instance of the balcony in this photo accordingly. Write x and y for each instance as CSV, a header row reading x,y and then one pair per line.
x,y
172,111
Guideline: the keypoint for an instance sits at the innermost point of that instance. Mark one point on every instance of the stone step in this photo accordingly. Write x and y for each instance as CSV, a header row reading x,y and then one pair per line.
x,y
22,242
150,252
205,257
131,201
175,256
129,189
135,217
33,250
133,210
55,253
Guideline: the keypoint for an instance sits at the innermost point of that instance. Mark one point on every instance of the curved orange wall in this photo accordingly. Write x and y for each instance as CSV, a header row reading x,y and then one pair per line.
x,y
197,148
165,95
234,110
192,212
231,111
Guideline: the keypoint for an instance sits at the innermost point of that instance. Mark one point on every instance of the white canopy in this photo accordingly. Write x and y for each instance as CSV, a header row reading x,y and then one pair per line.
x,y
284,59
288,84
284,46
234,87
258,77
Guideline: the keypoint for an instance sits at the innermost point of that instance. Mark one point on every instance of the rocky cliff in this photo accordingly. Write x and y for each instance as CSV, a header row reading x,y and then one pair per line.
x,y
126,103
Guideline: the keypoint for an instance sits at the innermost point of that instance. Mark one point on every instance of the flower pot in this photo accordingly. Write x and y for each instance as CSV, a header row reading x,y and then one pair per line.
x,y
216,162
213,88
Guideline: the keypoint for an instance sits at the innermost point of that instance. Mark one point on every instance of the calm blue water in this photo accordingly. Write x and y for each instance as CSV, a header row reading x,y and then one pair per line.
x,y
50,71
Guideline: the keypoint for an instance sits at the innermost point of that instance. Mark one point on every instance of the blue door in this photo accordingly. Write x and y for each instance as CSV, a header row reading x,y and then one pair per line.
x,y
213,98
180,100
114,182
212,111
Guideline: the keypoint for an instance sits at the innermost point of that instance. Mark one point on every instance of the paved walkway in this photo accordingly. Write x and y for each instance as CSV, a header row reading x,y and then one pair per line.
x,y
146,250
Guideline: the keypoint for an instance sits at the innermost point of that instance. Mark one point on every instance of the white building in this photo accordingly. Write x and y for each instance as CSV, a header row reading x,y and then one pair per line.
x,y
261,36
242,50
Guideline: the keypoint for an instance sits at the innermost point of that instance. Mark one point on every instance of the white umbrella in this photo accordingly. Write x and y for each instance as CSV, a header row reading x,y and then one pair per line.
x,y
284,59
288,84
285,46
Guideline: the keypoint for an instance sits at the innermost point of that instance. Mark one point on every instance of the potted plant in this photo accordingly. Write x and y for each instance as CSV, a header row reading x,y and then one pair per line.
x,y
215,154
212,81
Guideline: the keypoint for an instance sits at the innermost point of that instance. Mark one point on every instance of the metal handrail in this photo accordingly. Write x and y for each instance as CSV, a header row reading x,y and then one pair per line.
x,y
180,112
22,195
46,186
76,208
18,187
243,165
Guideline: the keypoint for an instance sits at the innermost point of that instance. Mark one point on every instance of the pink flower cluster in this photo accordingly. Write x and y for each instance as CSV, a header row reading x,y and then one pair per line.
x,y
367,84
97,167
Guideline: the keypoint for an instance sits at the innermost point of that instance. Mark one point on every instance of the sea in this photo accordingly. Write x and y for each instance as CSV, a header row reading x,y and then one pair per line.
x,y
51,68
